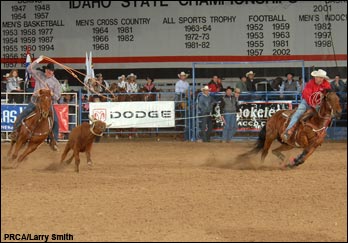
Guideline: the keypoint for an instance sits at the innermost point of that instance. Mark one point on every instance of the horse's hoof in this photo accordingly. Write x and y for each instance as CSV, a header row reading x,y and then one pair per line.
x,y
158,139
89,163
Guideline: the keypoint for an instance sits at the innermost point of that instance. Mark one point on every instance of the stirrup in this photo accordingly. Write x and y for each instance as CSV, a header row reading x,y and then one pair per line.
x,y
286,136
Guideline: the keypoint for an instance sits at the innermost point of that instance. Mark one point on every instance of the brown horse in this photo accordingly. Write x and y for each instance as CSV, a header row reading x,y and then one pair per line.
x,y
35,128
310,131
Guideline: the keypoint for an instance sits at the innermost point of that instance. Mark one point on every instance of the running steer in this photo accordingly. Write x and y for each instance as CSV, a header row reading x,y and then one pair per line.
x,y
81,139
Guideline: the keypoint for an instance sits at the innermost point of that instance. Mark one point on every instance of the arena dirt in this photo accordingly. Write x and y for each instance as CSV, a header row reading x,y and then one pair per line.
x,y
177,191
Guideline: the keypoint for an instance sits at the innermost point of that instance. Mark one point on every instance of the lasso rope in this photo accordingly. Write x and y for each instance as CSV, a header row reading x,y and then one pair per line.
x,y
72,72
316,98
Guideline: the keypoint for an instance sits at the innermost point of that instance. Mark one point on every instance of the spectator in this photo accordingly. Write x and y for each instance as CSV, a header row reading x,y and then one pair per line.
x,y
181,86
149,86
242,84
205,107
289,85
340,87
13,86
251,83
229,107
65,86
122,82
132,86
220,84
103,84
215,85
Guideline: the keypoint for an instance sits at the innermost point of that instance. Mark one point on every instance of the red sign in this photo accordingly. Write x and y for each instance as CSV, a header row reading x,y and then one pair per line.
x,y
63,116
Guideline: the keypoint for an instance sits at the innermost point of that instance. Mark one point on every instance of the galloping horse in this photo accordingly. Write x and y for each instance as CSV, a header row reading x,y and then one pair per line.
x,y
310,131
35,128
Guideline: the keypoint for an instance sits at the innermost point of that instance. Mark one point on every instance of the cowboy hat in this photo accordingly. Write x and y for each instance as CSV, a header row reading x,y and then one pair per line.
x,y
6,75
149,78
206,87
249,73
320,73
99,75
183,74
132,75
121,77
290,74
49,66
230,88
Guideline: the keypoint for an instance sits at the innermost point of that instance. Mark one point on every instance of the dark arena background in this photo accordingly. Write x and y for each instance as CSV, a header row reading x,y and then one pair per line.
x,y
152,177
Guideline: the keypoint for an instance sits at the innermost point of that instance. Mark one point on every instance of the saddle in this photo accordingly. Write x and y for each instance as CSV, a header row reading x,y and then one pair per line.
x,y
305,117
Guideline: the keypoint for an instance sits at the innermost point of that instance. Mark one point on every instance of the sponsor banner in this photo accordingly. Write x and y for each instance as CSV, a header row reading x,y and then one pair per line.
x,y
252,116
135,114
9,113
63,116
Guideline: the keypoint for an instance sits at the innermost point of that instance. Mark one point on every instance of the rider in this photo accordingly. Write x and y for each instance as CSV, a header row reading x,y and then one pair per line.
x,y
316,86
44,80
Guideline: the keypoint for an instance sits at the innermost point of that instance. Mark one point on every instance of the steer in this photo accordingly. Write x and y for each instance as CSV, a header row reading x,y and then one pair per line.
x,y
81,139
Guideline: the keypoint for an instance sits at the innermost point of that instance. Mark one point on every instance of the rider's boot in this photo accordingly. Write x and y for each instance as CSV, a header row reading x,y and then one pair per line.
x,y
287,134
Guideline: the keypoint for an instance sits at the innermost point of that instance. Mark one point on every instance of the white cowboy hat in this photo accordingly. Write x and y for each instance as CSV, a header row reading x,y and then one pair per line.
x,y
132,75
320,73
205,88
250,72
183,74
6,75
121,77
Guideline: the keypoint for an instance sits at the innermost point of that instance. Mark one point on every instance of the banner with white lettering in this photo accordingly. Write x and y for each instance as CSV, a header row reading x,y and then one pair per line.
x,y
252,116
135,114
9,113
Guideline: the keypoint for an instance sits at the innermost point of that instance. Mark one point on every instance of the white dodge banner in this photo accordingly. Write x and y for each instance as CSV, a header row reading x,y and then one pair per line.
x,y
135,114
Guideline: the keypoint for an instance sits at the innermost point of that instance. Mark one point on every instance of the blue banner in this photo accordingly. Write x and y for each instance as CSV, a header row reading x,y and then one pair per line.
x,y
9,112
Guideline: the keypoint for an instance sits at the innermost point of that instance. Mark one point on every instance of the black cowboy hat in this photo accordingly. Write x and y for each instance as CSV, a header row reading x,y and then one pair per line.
x,y
49,66
292,74
229,87
152,80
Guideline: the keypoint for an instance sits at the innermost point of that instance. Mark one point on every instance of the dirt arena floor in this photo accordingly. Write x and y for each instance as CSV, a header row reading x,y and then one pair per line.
x,y
177,191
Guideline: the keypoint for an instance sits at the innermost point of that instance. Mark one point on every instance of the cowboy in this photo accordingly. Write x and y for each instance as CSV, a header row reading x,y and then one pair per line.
x,y
315,87
44,80
181,86
205,106
251,84
132,86
290,84
122,84
229,106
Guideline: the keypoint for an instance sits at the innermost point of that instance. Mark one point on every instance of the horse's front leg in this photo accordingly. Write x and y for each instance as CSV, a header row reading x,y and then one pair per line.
x,y
10,151
301,158
31,147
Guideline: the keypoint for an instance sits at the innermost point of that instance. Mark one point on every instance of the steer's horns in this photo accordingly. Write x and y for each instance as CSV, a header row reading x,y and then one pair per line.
x,y
108,125
91,118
